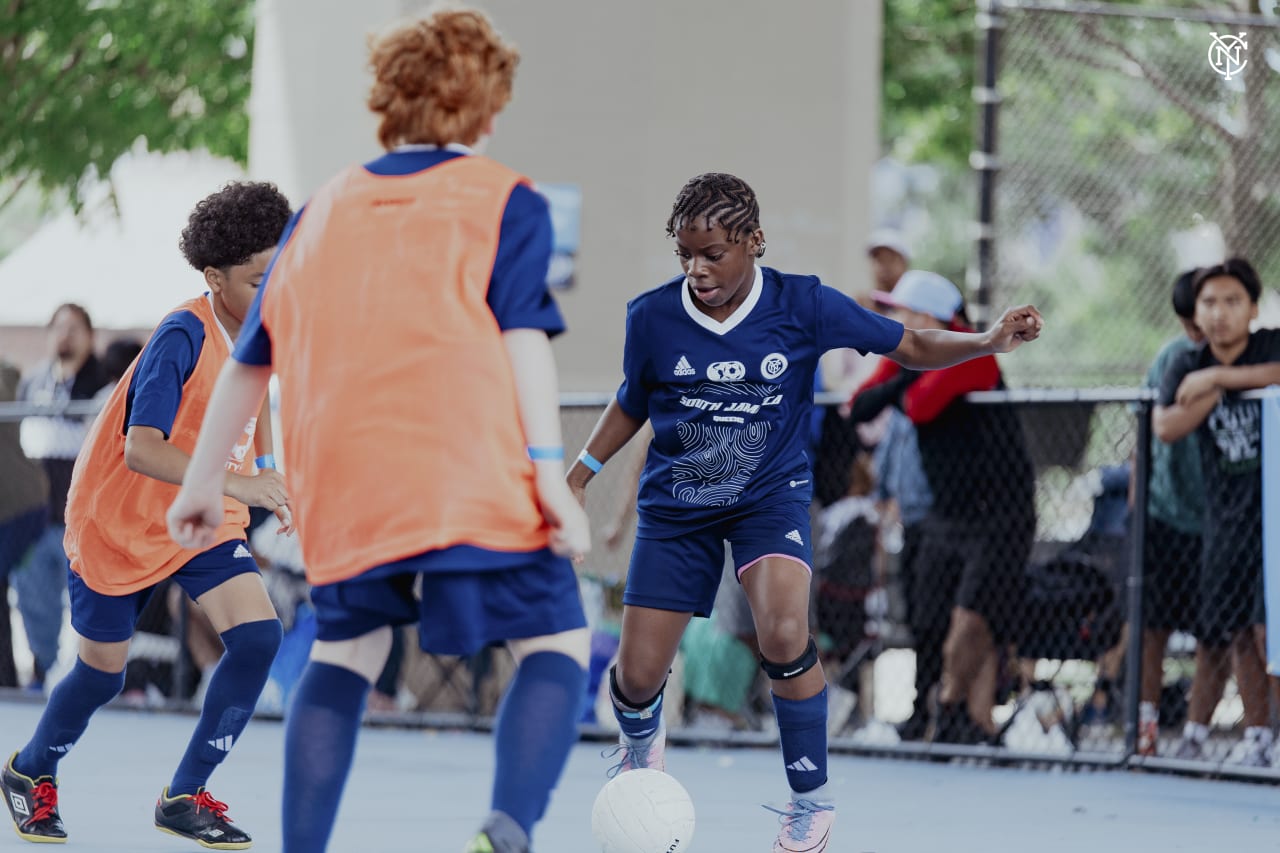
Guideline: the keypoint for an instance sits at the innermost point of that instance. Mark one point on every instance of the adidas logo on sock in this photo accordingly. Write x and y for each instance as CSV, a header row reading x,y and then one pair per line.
x,y
223,743
795,537
242,551
804,765
64,749
684,368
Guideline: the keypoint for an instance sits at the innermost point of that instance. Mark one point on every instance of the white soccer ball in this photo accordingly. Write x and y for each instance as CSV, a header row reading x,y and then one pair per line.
x,y
643,811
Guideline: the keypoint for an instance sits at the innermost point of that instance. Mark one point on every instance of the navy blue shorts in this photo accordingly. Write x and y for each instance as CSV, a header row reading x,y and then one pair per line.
x,y
458,612
682,572
110,618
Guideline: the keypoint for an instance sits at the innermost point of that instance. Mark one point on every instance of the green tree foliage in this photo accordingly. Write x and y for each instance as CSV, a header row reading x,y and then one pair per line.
x,y
84,81
1115,136
927,112
1120,121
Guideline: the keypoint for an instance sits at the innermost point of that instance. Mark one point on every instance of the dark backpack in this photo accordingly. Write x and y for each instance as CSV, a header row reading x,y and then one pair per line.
x,y
1073,611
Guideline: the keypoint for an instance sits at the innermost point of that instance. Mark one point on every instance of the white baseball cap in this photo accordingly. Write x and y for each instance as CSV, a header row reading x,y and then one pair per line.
x,y
924,292
889,238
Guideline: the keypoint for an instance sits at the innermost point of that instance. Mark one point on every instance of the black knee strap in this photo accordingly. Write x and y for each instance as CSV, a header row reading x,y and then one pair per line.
x,y
622,703
792,669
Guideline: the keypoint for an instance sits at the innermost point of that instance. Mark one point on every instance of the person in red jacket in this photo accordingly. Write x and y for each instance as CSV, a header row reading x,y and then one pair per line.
x,y
978,534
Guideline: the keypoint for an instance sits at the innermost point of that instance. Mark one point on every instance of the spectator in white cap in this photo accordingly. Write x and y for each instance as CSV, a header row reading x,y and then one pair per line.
x,y
844,370
889,256
925,299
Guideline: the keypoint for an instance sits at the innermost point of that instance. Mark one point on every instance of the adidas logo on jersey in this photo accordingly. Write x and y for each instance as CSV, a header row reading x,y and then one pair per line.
x,y
242,551
804,765
684,368
795,537
223,743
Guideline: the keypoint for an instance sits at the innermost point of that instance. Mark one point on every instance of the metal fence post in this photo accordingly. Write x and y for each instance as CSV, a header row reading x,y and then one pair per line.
x,y
1138,540
981,275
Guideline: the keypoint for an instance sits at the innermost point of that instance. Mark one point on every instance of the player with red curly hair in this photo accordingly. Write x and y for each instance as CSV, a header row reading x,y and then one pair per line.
x,y
408,317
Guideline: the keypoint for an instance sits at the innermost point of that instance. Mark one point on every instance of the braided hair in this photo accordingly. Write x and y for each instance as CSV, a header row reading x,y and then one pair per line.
x,y
720,198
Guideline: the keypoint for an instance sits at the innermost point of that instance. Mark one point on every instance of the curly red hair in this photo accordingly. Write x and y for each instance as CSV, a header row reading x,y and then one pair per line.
x,y
440,79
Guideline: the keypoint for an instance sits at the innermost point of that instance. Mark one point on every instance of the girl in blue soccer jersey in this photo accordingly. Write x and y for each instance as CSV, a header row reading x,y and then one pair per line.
x,y
720,361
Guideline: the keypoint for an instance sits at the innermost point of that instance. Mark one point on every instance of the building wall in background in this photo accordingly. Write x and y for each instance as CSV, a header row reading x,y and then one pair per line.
x,y
626,100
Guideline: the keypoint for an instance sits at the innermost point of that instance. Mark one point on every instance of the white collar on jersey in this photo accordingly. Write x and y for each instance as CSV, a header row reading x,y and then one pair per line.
x,y
457,147
221,328
723,327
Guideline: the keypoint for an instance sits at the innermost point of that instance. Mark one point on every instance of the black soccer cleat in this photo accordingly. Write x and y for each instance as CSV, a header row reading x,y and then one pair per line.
x,y
202,819
33,803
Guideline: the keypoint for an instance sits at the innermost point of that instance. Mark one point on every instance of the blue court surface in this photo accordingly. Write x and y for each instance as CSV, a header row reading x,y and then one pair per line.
x,y
426,791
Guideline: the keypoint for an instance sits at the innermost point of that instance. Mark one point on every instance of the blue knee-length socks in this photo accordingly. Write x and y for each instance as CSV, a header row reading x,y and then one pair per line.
x,y
66,716
802,727
536,728
233,693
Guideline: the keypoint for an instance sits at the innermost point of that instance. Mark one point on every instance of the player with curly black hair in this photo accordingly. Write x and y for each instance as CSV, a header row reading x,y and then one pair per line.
x,y
124,480
720,361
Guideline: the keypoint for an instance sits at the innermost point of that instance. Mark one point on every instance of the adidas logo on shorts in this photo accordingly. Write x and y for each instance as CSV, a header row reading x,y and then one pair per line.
x,y
242,551
795,537
684,368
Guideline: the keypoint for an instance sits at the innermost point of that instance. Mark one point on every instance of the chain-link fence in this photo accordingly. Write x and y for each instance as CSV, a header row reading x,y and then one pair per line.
x,y
1005,584
1134,143
974,580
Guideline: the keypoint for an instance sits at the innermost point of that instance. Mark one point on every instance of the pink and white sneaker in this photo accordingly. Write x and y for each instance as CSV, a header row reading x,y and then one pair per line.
x,y
653,756
806,827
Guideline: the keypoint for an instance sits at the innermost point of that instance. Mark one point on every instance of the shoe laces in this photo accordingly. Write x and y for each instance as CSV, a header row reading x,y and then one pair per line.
x,y
45,796
204,800
797,818
635,756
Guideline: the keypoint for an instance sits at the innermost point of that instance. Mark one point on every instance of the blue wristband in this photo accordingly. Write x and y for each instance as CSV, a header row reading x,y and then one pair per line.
x,y
265,462
546,453
590,461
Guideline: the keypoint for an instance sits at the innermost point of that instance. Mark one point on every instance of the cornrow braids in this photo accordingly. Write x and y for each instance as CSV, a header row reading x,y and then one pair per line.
x,y
720,198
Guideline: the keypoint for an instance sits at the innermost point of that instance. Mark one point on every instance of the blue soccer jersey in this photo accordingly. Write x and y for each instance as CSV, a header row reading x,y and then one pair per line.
x,y
730,402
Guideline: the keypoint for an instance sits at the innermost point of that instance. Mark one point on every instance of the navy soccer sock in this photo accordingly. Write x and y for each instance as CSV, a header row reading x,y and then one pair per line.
x,y
639,723
233,693
802,725
65,718
320,743
537,726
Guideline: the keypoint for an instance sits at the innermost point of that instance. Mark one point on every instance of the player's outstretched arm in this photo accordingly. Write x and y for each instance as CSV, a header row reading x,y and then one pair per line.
x,y
929,349
197,512
614,429
538,397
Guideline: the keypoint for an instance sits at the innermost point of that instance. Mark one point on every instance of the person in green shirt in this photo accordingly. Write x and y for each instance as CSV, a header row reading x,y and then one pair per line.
x,y
1175,510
